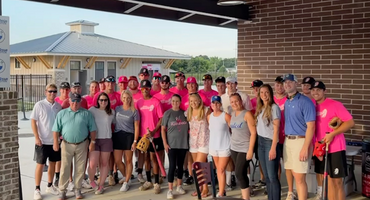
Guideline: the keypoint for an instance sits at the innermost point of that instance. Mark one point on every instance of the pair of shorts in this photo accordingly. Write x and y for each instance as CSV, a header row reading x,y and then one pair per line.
x,y
44,152
103,145
292,149
220,153
122,140
204,150
337,165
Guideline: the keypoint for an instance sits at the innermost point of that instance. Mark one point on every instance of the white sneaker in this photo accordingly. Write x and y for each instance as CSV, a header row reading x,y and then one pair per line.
x,y
291,196
180,190
169,194
71,186
86,184
52,190
37,195
140,178
125,187
157,188
318,196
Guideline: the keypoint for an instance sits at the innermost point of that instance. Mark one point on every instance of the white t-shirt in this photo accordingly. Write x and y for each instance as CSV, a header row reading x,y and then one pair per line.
x,y
45,113
225,98
103,123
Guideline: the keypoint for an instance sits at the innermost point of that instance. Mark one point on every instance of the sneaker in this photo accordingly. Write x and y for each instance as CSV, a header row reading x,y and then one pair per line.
x,y
37,195
71,185
86,184
169,194
140,178
56,182
180,190
318,196
189,180
125,187
116,179
62,195
233,181
78,194
52,190
260,184
111,181
100,190
291,196
228,188
157,188
145,186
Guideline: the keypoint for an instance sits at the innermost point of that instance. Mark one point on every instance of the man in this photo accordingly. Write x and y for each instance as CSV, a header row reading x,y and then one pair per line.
x,y
156,87
76,88
221,85
101,84
64,90
75,142
300,116
180,85
306,85
256,84
122,83
207,91
165,95
94,88
133,86
150,126
42,119
144,74
231,84
192,87
326,110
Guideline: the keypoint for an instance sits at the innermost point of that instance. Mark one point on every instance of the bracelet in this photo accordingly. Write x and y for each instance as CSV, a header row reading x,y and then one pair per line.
x,y
135,141
93,141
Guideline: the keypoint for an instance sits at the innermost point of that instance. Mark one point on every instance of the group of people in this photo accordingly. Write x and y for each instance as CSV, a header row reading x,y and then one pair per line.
x,y
101,130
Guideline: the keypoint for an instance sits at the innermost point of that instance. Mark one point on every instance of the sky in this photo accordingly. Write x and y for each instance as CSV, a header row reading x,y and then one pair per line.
x,y
30,20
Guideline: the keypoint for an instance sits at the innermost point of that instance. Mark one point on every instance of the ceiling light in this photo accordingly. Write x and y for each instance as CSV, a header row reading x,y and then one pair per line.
x,y
230,2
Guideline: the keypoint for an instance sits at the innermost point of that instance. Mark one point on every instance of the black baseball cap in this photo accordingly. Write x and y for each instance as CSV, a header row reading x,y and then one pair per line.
x,y
145,84
279,79
256,83
110,79
318,84
220,79
144,71
65,85
308,80
207,76
165,79
76,84
75,96
102,80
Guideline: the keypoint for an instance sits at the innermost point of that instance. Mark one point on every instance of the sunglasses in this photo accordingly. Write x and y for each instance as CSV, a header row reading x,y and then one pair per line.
x,y
207,77
157,78
110,80
52,91
103,100
144,88
179,74
76,100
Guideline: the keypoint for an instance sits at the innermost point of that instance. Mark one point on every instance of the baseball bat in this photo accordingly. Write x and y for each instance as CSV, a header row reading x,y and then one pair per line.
x,y
160,164
325,182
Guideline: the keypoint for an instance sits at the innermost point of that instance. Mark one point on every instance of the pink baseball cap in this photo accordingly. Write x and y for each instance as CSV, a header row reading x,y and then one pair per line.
x,y
191,79
122,79
157,74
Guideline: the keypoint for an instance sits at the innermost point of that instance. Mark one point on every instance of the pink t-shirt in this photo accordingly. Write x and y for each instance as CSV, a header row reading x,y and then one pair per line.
x,y
90,101
137,97
182,92
254,105
280,103
208,94
114,97
165,100
65,103
324,113
57,99
154,92
150,112
185,101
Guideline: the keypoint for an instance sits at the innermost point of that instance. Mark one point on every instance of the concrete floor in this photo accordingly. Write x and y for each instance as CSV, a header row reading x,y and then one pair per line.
x,y
27,166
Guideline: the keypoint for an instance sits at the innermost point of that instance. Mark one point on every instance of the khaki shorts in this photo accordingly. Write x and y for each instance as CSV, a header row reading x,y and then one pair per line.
x,y
292,149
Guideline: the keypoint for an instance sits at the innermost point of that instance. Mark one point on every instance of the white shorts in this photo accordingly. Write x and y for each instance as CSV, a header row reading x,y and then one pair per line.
x,y
199,150
291,151
220,153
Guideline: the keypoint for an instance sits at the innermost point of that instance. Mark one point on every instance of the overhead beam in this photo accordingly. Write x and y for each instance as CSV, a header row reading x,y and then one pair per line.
x,y
227,22
46,64
133,8
91,62
186,16
25,65
61,62
66,61
169,64
125,63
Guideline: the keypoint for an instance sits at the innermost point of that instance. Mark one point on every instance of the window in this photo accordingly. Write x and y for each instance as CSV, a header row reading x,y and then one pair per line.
x,y
17,64
75,65
99,70
112,69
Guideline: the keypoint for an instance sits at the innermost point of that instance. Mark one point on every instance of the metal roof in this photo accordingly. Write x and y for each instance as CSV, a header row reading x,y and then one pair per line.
x,y
90,44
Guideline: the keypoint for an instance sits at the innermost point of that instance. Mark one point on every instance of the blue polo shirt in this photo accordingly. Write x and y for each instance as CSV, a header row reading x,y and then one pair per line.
x,y
298,111
74,126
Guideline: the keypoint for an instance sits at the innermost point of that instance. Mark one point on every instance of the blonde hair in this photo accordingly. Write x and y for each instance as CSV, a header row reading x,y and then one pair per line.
x,y
267,114
51,85
202,113
132,105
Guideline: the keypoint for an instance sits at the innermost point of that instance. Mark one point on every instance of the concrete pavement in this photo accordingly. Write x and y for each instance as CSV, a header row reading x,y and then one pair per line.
x,y
27,166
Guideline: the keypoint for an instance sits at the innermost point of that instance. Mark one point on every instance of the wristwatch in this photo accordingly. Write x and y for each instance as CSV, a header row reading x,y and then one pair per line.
x,y
93,141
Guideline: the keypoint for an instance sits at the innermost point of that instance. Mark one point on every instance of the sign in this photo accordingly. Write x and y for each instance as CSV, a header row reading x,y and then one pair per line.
x,y
151,66
4,52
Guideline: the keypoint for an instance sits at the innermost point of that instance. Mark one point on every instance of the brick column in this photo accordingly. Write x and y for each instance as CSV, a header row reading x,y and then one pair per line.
x,y
9,177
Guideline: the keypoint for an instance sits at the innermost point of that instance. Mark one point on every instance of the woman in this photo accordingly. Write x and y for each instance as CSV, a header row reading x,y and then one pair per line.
x,y
199,132
219,142
175,136
267,118
125,136
243,138
104,117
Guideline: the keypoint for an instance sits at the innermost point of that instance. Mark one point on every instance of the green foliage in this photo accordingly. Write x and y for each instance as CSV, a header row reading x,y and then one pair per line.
x,y
204,64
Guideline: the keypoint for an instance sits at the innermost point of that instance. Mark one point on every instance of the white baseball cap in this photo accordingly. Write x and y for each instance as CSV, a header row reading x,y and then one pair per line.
x,y
231,79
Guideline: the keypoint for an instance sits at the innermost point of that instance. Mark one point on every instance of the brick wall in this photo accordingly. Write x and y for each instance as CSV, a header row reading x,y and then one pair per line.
x,y
326,39
9,187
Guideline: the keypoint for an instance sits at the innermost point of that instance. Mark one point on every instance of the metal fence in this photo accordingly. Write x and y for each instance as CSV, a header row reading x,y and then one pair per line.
x,y
199,76
30,89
